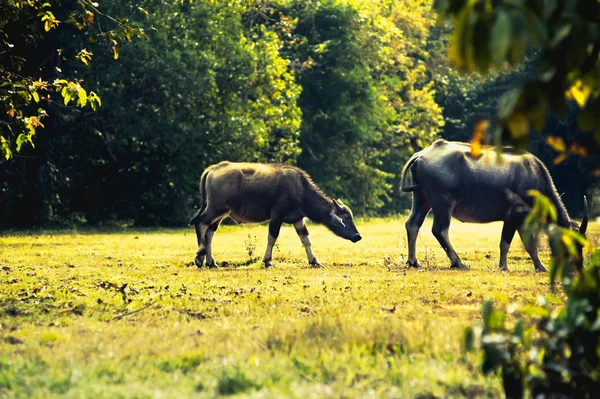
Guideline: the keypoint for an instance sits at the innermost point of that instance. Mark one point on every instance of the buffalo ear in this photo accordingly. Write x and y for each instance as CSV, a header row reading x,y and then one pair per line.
x,y
586,216
338,205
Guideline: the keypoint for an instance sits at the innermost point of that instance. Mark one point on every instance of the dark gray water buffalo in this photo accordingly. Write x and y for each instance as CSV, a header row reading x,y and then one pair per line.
x,y
254,192
447,179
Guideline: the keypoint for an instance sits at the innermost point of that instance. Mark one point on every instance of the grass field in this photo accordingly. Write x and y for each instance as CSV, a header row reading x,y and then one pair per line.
x,y
356,328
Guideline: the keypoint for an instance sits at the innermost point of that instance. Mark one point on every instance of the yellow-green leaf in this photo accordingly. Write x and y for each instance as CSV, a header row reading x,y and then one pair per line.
x,y
519,125
20,140
82,97
478,135
560,158
579,92
557,143
500,38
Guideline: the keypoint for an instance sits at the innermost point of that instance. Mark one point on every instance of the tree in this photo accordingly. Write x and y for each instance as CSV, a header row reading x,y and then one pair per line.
x,y
367,100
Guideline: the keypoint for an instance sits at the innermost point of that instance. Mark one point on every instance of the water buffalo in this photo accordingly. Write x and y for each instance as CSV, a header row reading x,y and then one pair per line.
x,y
449,180
256,192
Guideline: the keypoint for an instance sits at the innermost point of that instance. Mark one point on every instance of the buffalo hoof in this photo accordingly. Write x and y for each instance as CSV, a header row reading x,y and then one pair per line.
x,y
540,269
316,264
414,264
269,265
199,261
503,268
212,265
459,266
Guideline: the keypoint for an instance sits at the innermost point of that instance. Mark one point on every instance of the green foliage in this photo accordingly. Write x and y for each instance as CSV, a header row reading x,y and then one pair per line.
x,y
557,357
553,351
347,90
340,88
202,89
25,89
234,381
567,36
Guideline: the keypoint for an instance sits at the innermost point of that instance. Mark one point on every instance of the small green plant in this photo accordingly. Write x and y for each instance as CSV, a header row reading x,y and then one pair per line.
x,y
234,381
555,353
251,246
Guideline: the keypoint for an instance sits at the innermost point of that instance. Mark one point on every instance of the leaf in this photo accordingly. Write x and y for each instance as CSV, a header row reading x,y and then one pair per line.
x,y
560,33
537,29
478,136
481,42
82,97
144,11
531,310
559,159
486,311
500,38
115,48
557,143
21,138
519,125
579,92
469,339
517,49
6,148
518,330
508,102
36,96
457,52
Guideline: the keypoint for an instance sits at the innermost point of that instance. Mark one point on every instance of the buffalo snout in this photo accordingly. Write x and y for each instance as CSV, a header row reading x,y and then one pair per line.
x,y
356,238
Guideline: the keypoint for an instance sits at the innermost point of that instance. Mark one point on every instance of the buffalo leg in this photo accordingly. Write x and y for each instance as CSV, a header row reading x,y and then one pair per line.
x,y
203,224
508,232
274,227
199,260
531,247
420,209
210,232
441,224
302,231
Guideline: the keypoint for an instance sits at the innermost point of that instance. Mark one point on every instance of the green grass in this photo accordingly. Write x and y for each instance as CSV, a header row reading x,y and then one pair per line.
x,y
353,329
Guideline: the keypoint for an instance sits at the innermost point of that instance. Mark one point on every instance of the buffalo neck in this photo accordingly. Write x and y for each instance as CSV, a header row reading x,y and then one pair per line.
x,y
315,205
563,218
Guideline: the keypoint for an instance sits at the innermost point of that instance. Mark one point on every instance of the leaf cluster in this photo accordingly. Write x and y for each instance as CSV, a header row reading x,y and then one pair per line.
x,y
27,93
553,349
566,37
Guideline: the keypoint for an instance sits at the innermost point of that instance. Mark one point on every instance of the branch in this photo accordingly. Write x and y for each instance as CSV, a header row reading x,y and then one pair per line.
x,y
134,311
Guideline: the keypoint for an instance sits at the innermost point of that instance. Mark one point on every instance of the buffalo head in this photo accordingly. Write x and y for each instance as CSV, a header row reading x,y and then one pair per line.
x,y
341,222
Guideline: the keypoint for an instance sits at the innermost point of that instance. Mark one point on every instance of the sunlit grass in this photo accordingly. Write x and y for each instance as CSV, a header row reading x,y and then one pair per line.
x,y
355,328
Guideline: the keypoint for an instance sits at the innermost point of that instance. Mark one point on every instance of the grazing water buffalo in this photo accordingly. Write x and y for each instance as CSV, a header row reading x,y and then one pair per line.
x,y
450,181
254,192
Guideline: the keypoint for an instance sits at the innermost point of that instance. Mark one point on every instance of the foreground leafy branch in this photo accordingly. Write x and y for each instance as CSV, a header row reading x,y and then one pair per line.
x,y
25,96
566,36
551,351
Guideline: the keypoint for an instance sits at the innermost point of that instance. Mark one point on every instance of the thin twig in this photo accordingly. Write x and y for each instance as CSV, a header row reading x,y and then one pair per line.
x,y
134,311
